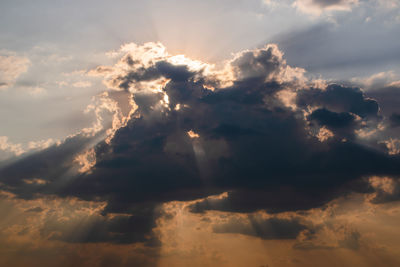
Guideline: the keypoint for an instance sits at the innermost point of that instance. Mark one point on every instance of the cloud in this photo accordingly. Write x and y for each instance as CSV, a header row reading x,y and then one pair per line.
x,y
317,7
118,229
271,228
258,144
323,49
388,97
386,189
343,238
389,4
36,91
11,67
53,231
338,98
11,149
36,172
332,119
395,120
82,84
377,80
5,145
393,146
117,105
36,209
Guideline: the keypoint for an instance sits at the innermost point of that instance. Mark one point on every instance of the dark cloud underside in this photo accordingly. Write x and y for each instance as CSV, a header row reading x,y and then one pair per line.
x,y
250,144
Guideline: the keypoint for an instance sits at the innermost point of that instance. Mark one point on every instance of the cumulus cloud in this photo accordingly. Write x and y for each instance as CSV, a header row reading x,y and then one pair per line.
x,y
6,145
183,129
116,105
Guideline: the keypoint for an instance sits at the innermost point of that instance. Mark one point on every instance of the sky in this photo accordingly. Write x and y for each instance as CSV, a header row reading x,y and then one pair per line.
x,y
202,133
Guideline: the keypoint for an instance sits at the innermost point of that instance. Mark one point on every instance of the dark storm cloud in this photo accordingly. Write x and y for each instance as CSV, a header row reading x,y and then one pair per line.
x,y
249,144
160,69
339,98
332,119
245,146
51,165
342,124
255,65
275,199
271,228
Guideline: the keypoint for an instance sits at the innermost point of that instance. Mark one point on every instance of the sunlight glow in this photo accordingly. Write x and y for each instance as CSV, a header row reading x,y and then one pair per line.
x,y
193,134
